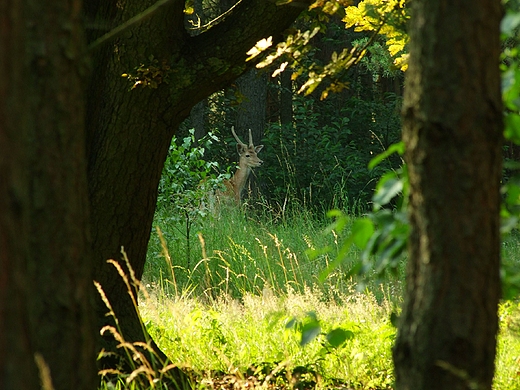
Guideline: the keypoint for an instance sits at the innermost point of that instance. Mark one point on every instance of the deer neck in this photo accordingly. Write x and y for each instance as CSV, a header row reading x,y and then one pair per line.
x,y
239,179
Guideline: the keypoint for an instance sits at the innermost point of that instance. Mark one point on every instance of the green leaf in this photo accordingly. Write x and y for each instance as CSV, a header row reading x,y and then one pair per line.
x,y
338,260
362,230
310,331
315,253
388,187
394,148
512,128
339,223
509,23
291,323
336,337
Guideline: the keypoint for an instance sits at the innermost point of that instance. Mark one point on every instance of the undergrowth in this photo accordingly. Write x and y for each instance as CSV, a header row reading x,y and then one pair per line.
x,y
237,253
250,312
254,333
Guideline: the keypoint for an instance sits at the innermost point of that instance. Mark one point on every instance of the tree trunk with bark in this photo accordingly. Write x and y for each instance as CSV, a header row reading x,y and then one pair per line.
x,y
453,134
198,119
129,130
251,113
47,334
286,100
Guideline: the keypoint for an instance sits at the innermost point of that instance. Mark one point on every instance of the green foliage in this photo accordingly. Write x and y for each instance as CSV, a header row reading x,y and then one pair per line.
x,y
378,60
310,329
385,20
253,315
237,254
510,210
388,18
188,181
260,336
382,234
511,74
335,139
187,177
321,159
508,347
324,163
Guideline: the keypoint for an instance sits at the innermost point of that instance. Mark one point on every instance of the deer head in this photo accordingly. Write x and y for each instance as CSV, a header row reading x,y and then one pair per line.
x,y
248,160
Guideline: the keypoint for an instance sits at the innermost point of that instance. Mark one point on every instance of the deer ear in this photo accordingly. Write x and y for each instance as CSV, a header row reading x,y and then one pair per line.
x,y
241,148
258,148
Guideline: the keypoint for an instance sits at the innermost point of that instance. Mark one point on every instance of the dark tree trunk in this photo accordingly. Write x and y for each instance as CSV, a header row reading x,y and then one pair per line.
x,y
46,319
251,114
286,103
252,88
129,131
453,134
198,119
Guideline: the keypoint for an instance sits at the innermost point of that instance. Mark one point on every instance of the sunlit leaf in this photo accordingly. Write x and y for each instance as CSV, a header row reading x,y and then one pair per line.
x,y
362,230
338,336
388,187
310,331
398,148
260,47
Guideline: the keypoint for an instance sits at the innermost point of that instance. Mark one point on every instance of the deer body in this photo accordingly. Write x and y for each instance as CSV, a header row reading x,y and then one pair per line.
x,y
248,160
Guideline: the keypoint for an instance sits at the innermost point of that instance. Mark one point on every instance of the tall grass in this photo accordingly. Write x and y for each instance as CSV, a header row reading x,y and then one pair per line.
x,y
236,252
237,310
251,334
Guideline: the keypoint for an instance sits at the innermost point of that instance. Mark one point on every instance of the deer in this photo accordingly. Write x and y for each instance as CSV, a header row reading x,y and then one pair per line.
x,y
248,160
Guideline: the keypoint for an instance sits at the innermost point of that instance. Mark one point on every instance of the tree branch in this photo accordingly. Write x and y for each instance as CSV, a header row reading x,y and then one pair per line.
x,y
218,55
113,34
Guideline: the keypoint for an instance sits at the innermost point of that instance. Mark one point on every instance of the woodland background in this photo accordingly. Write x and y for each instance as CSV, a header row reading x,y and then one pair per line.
x,y
92,97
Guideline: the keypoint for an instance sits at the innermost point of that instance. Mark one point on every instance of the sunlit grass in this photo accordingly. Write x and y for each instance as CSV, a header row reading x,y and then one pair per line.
x,y
230,335
237,254
228,313
233,335
507,372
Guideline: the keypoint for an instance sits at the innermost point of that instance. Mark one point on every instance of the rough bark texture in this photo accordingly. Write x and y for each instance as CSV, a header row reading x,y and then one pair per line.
x,y
286,100
252,87
453,134
46,328
129,131
251,114
198,119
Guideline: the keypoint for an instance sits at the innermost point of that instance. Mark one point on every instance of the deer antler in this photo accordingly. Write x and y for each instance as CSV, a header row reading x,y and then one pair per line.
x,y
251,145
238,139
251,140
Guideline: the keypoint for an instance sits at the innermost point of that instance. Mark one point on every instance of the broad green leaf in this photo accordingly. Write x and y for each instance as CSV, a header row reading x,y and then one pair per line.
x,y
336,337
362,230
388,187
315,253
310,331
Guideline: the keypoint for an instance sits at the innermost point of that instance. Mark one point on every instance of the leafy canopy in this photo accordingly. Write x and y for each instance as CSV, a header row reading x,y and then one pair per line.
x,y
385,19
